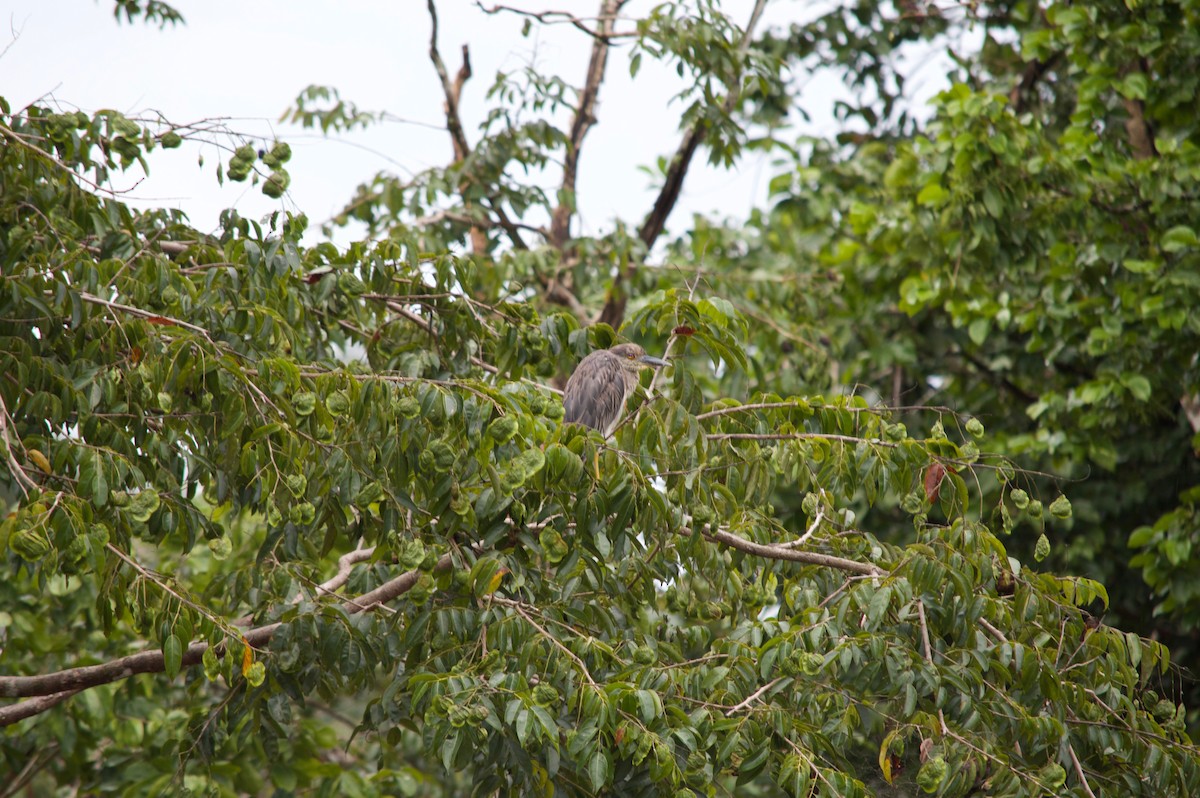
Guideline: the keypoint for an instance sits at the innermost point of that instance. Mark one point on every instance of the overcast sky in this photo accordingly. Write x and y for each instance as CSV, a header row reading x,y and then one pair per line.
x,y
246,60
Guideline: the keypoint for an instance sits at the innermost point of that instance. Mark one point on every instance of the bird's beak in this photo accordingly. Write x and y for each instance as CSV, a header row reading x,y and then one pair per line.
x,y
657,362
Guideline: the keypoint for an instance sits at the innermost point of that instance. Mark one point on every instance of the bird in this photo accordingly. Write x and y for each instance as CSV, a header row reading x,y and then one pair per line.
x,y
596,392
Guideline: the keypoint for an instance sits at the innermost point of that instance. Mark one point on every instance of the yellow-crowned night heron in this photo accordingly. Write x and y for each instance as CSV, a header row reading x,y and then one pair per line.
x,y
596,393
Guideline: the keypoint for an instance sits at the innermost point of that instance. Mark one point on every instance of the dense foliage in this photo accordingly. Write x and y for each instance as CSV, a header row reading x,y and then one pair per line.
x,y
298,519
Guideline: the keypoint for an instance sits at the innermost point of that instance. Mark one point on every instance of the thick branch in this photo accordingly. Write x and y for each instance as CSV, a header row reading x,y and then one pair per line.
x,y
34,706
452,91
585,117
75,679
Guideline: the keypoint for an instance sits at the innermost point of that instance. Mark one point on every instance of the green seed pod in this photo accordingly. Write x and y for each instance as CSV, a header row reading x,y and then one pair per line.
x,y
1060,508
975,428
29,545
503,429
276,183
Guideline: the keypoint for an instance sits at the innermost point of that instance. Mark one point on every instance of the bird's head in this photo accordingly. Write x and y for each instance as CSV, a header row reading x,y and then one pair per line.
x,y
633,358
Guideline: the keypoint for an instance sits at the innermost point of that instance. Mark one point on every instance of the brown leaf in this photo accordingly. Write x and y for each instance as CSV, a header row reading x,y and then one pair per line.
x,y
163,320
933,481
683,330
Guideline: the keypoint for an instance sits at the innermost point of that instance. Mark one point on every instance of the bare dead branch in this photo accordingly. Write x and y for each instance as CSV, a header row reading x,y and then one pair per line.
x,y
585,118
452,92
462,218
551,17
798,436
753,696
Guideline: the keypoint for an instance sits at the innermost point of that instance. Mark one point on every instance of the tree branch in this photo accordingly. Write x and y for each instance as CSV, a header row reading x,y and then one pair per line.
x,y
782,553
753,696
551,17
72,680
452,92
613,312
585,117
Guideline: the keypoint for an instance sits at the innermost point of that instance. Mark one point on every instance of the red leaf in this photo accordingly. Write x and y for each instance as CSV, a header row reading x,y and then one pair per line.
x,y
163,320
684,330
933,481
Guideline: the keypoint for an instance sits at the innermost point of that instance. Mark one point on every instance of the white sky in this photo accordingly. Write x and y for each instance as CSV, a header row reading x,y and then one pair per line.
x,y
246,60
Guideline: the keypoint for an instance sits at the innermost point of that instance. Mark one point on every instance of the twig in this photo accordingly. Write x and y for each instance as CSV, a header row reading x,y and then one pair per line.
x,y
520,608
10,445
780,553
992,630
797,436
800,541
924,632
16,138
345,567
753,696
155,318
553,17
1087,788
36,762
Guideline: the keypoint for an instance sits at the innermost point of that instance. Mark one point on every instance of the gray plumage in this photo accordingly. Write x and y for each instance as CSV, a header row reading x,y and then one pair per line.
x,y
596,393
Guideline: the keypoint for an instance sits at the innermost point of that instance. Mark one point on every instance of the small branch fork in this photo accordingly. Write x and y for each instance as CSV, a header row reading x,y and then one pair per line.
x,y
458,137
585,118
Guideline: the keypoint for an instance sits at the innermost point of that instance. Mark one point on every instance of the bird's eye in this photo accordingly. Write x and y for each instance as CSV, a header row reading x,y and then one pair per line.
x,y
629,356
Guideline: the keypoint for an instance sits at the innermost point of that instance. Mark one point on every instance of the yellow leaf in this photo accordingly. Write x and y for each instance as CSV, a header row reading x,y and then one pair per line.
x,y
247,657
40,461
494,583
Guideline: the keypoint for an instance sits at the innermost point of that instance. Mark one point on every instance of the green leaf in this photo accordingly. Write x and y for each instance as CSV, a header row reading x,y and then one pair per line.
x,y
978,330
932,195
598,771
1137,385
172,650
1179,238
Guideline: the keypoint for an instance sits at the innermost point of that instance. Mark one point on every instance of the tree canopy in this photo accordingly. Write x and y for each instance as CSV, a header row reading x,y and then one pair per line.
x,y
912,511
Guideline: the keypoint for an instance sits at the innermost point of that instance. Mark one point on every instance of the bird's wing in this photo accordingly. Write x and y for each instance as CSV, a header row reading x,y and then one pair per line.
x,y
595,394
